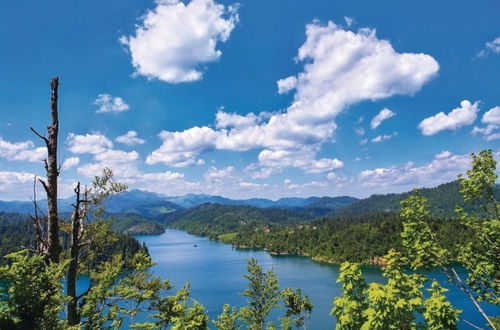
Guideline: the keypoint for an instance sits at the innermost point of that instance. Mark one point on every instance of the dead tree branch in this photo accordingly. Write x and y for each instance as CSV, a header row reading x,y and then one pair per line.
x,y
53,245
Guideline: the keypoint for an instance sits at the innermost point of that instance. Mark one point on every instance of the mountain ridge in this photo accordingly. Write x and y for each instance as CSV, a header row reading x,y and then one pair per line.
x,y
153,204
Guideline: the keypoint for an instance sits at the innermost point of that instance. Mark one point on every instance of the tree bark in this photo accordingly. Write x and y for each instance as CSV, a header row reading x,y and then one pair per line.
x,y
76,230
54,246
50,185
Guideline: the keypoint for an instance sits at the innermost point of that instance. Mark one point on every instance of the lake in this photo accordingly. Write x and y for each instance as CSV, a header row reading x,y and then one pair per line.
x,y
215,271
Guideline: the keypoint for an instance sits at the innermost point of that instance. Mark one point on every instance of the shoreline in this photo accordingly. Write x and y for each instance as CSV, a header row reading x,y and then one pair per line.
x,y
376,261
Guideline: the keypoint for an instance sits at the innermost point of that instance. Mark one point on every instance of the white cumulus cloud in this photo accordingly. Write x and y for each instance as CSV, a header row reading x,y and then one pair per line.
x,y
464,115
16,185
341,68
179,149
107,103
492,119
287,84
492,116
176,38
70,162
92,143
484,130
384,114
438,171
228,120
443,154
324,165
32,155
492,137
22,151
130,139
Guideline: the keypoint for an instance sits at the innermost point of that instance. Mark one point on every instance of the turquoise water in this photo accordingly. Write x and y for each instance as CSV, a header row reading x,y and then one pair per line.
x,y
215,271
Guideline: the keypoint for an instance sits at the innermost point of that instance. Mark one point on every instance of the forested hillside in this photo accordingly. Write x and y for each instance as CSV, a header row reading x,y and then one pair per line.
x,y
363,238
17,232
362,231
134,224
213,220
442,199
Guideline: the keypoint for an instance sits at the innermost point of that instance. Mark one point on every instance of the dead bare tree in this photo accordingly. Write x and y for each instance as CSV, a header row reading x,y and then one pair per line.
x,y
53,245
83,245
38,221
86,238
79,212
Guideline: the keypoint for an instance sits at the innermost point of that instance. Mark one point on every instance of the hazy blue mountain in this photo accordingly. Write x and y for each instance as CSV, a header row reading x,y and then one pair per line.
x,y
295,201
130,200
191,200
258,202
16,206
116,204
151,204
27,207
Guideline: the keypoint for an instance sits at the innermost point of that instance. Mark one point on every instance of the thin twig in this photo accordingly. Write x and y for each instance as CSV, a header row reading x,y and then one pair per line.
x,y
471,324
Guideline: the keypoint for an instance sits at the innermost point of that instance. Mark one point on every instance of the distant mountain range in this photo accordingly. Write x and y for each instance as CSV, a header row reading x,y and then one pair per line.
x,y
442,200
151,204
191,200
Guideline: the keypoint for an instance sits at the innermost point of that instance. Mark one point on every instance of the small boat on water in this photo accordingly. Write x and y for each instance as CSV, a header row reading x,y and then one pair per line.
x,y
195,245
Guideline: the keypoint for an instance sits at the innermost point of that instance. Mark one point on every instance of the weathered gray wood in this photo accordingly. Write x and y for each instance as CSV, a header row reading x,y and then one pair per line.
x,y
50,185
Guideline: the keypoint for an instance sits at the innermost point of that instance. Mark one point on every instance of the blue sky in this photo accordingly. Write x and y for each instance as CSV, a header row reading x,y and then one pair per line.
x,y
251,98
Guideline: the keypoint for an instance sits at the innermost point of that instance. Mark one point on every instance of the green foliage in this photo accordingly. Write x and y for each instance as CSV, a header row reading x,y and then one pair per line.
x,y
98,308
175,311
418,240
350,307
263,295
480,182
298,308
102,187
31,293
481,256
228,319
394,305
439,313
227,238
32,297
114,296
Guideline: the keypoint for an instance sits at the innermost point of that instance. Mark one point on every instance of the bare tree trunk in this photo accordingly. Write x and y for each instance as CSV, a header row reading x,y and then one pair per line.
x,y
76,231
53,245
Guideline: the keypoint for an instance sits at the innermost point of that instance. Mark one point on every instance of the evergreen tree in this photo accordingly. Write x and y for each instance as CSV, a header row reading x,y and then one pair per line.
x,y
228,319
263,295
